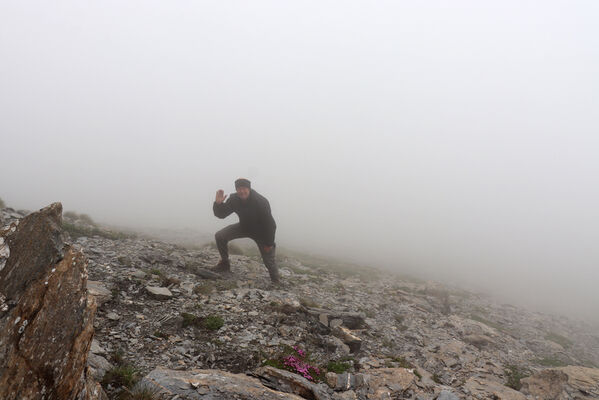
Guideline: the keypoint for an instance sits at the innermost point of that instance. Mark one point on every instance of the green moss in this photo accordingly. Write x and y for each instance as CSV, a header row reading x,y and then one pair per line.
x,y
189,320
338,367
213,322
274,363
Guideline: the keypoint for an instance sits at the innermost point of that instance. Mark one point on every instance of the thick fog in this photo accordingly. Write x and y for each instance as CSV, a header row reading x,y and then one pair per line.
x,y
455,140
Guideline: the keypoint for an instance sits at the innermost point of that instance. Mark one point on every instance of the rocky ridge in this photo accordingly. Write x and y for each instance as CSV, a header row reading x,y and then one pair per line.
x,y
371,334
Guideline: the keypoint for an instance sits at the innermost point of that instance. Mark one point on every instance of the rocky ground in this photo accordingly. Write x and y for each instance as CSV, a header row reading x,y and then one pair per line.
x,y
365,333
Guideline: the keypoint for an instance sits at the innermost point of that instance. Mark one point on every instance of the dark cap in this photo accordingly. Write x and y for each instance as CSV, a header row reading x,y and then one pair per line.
x,y
242,182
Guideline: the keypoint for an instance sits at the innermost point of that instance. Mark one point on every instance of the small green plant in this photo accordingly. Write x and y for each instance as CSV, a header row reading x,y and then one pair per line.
x,y
117,357
189,320
213,322
514,374
141,393
2,205
274,363
338,366
437,379
156,271
121,375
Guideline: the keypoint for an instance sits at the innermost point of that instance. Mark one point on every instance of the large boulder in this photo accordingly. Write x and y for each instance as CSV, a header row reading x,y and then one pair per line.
x,y
46,316
488,388
563,383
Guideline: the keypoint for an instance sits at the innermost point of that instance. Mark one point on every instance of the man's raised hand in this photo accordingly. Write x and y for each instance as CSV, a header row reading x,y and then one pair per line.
x,y
220,196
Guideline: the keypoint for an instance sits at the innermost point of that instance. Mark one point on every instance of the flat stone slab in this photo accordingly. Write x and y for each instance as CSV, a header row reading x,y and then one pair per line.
x,y
210,384
159,293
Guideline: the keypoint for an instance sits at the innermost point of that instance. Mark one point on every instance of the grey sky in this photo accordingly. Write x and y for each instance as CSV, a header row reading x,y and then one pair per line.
x,y
456,139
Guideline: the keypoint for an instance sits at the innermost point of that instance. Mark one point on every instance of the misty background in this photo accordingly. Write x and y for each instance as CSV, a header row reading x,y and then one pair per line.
x,y
454,140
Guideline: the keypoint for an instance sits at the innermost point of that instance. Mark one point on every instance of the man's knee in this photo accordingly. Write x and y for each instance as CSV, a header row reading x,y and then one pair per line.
x,y
220,237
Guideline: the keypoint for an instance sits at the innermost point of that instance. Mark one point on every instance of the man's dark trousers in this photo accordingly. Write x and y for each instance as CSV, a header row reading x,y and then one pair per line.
x,y
235,231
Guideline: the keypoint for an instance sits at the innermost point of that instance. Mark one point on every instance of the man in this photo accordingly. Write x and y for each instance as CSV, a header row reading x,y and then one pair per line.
x,y
255,222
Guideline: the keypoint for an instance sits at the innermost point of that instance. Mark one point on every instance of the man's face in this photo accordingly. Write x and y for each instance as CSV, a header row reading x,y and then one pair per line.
x,y
243,192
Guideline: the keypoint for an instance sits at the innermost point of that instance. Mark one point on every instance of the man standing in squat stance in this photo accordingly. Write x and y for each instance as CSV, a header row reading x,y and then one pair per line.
x,y
255,222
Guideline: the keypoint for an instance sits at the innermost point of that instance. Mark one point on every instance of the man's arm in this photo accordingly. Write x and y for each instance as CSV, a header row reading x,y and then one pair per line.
x,y
222,208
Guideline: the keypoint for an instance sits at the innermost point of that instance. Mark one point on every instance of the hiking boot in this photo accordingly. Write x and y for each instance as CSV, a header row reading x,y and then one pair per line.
x,y
222,267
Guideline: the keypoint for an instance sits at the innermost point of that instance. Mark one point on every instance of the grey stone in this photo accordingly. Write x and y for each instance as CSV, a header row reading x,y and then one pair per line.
x,y
113,316
160,293
447,395
99,291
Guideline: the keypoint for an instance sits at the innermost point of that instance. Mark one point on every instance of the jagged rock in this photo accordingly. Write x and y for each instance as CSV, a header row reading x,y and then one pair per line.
x,y
563,383
344,381
99,291
98,365
483,388
46,333
336,346
289,382
159,293
211,385
348,338
387,383
96,348
350,319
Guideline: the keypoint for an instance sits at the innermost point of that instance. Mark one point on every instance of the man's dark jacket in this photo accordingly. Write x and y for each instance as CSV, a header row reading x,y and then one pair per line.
x,y
254,216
